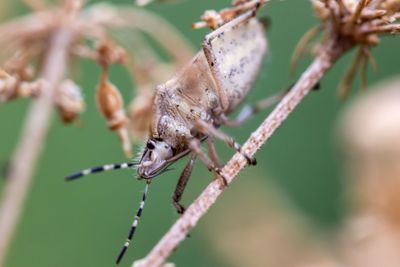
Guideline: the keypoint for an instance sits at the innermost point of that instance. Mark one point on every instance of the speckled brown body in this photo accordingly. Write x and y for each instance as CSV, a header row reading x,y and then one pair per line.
x,y
213,83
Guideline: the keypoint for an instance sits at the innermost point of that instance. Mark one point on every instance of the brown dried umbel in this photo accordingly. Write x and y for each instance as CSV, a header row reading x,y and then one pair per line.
x,y
24,46
35,56
354,23
214,19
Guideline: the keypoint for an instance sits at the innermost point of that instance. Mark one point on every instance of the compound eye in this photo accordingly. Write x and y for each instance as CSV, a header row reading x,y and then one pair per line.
x,y
150,145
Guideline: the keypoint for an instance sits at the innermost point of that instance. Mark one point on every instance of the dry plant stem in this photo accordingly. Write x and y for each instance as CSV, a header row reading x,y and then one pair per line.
x,y
32,139
178,232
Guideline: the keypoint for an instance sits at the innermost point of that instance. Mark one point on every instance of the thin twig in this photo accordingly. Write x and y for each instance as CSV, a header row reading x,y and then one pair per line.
x,y
301,47
359,9
178,232
32,139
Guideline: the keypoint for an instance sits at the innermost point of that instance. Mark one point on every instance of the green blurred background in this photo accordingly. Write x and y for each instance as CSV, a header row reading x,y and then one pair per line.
x,y
85,223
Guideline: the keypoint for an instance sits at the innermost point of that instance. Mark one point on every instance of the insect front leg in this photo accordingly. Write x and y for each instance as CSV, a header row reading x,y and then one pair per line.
x,y
181,185
248,111
195,146
209,129
212,152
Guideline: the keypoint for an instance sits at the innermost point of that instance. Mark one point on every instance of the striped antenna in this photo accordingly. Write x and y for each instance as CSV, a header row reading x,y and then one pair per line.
x,y
103,168
134,224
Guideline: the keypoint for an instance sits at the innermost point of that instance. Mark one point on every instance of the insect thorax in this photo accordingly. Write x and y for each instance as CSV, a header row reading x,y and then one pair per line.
x,y
180,102
193,93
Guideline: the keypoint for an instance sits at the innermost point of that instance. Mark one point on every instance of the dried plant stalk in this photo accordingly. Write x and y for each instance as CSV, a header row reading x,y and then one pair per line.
x,y
32,139
178,232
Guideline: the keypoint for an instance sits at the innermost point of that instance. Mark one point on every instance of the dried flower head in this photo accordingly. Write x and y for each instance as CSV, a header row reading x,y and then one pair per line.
x,y
12,86
110,103
214,19
354,23
24,45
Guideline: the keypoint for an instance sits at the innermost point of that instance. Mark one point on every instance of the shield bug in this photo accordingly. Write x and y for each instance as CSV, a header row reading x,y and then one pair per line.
x,y
190,108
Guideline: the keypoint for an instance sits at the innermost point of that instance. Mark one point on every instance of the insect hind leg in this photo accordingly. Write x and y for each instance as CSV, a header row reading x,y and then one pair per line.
x,y
195,146
209,129
248,111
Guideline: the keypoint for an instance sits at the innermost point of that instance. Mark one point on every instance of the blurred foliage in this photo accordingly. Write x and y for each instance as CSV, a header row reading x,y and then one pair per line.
x,y
85,223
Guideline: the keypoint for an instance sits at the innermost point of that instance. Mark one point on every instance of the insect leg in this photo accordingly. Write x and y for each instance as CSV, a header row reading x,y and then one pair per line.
x,y
182,182
134,224
194,145
248,111
211,130
212,152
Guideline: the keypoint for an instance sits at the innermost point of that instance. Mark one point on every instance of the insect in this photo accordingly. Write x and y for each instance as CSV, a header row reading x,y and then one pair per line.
x,y
190,108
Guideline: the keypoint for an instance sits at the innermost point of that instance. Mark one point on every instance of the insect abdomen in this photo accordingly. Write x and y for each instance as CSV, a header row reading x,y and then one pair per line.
x,y
238,53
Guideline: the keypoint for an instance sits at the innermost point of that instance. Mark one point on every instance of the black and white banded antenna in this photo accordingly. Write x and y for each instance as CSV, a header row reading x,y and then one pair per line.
x,y
134,223
136,219
107,167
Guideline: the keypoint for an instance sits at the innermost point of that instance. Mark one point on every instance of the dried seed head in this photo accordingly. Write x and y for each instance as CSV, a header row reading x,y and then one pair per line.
x,y
31,89
391,5
214,19
357,22
321,10
7,86
12,87
211,19
350,5
110,103
69,101
109,53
